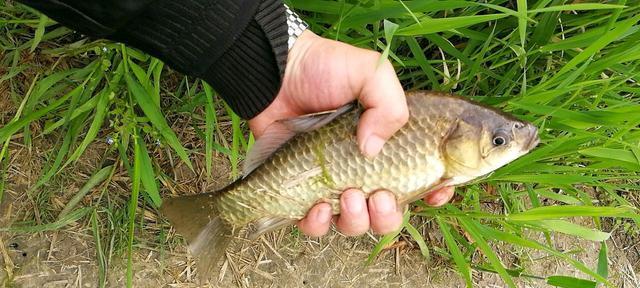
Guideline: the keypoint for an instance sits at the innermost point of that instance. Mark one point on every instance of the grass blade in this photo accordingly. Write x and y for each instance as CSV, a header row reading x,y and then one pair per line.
x,y
570,229
148,176
4,164
389,29
418,53
570,282
102,263
96,124
86,106
53,169
157,72
463,266
211,121
603,261
482,244
424,250
555,212
596,46
93,181
13,127
237,137
522,22
513,239
384,242
64,221
39,32
133,205
610,153
430,26
577,7
152,111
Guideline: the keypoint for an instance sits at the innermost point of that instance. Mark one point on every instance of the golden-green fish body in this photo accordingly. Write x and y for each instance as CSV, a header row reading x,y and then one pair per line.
x,y
447,140
319,165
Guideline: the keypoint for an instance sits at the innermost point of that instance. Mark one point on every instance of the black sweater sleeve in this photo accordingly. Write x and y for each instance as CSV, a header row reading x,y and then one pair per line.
x,y
238,46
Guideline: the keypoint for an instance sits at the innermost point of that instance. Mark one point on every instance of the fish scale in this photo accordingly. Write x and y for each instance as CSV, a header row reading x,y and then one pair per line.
x,y
447,140
406,164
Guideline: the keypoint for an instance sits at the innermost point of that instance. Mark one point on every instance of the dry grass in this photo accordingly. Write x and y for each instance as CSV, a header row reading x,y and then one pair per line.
x,y
66,258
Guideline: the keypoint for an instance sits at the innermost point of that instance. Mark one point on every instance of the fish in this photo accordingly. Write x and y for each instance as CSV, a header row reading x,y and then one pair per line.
x,y
448,141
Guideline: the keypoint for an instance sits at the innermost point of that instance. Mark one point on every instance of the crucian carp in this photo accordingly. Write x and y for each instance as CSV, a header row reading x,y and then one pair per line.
x,y
300,162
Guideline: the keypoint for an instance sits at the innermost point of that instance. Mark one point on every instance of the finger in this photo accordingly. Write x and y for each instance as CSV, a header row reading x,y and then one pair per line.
x,y
385,109
354,218
278,109
439,197
317,222
385,217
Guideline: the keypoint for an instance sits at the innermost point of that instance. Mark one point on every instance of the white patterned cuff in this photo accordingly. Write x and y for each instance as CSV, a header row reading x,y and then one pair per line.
x,y
296,26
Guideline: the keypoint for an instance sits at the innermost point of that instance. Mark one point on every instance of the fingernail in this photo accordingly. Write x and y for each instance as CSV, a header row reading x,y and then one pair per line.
x,y
323,214
353,202
373,145
437,199
384,202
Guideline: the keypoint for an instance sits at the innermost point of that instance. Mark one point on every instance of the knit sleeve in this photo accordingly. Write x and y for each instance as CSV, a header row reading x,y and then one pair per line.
x,y
240,47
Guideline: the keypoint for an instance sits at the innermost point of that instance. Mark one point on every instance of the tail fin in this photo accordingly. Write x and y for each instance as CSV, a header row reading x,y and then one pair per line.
x,y
195,218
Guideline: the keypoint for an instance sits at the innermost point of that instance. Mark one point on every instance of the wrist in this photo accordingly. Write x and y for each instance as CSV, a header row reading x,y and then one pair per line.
x,y
296,59
291,85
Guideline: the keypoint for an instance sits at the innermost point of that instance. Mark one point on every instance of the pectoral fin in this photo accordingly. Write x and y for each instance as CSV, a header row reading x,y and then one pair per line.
x,y
281,131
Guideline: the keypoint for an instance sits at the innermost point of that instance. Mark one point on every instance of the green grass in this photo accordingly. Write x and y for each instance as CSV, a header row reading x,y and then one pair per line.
x,y
572,69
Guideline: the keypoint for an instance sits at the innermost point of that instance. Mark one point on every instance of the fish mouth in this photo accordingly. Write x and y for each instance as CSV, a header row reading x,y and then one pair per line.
x,y
533,140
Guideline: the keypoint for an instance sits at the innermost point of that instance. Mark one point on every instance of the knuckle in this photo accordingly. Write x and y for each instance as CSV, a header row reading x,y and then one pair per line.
x,y
386,64
352,227
353,233
308,229
384,230
381,231
373,57
387,225
313,233
398,115
374,54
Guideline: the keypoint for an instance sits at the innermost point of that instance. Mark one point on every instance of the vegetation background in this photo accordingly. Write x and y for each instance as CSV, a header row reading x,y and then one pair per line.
x,y
93,134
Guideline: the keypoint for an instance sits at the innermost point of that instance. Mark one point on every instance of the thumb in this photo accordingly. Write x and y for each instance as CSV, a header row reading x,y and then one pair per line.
x,y
385,108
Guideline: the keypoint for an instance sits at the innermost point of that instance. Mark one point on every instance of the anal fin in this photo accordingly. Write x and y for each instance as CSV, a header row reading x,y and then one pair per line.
x,y
267,224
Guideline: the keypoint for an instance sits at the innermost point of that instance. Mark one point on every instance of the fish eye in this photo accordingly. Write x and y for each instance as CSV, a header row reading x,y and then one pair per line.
x,y
499,140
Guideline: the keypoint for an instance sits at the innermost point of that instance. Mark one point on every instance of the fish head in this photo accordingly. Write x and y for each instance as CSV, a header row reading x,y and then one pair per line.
x,y
484,140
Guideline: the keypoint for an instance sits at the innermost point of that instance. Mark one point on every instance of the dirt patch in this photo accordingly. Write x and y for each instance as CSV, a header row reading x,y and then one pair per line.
x,y
57,259
68,258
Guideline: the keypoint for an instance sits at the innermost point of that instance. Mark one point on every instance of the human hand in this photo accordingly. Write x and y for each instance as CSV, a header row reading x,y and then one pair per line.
x,y
323,74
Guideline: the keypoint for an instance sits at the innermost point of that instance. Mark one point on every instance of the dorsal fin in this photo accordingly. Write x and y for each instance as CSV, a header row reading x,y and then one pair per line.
x,y
281,131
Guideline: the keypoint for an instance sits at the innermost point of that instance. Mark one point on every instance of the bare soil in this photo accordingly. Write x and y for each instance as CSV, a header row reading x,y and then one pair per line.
x,y
67,257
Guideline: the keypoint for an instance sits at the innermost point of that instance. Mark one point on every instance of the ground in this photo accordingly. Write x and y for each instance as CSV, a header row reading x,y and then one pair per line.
x,y
67,257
